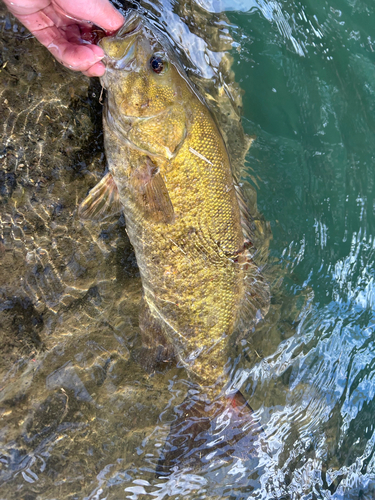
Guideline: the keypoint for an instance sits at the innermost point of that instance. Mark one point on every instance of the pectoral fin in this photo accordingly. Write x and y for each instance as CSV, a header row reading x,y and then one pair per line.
x,y
153,193
102,201
158,200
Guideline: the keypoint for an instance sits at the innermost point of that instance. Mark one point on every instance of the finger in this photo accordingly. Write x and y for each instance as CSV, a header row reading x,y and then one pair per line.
x,y
26,7
46,17
36,22
72,33
101,12
98,69
75,56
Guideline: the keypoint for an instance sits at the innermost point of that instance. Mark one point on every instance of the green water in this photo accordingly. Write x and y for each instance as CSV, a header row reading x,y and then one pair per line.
x,y
308,76
80,418
314,116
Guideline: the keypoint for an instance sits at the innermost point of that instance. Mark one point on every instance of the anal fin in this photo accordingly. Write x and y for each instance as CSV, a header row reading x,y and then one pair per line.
x,y
156,352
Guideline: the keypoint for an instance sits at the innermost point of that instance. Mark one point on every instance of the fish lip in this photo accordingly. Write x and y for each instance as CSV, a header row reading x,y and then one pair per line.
x,y
123,34
124,63
132,25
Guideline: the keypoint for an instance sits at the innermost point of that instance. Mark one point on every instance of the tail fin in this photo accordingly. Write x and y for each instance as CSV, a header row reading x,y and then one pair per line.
x,y
204,432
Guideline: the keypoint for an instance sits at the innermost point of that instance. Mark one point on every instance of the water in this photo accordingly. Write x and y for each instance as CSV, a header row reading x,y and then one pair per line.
x,y
80,418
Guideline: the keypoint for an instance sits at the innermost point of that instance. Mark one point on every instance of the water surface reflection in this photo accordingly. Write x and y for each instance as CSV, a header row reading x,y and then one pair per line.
x,y
80,418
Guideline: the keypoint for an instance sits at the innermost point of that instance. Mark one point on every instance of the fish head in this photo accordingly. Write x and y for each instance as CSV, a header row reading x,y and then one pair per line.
x,y
142,75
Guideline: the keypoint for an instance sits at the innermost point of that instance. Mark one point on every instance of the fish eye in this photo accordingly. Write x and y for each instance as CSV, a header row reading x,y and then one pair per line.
x,y
158,65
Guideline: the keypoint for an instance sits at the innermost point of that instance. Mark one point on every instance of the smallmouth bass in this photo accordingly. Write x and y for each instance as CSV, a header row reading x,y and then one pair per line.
x,y
170,172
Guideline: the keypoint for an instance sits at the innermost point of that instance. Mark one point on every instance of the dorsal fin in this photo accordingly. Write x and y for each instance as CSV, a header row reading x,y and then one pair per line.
x,y
257,291
246,218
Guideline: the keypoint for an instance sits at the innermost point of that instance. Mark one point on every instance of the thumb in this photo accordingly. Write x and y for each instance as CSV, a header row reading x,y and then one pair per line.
x,y
100,12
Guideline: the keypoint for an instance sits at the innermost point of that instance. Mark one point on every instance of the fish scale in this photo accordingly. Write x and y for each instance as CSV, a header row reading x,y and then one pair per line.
x,y
170,172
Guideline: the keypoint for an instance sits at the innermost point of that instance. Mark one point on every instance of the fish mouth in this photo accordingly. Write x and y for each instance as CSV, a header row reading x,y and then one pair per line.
x,y
119,49
124,63
133,23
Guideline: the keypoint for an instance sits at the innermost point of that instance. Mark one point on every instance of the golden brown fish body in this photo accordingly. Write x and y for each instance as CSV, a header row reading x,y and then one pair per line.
x,y
170,169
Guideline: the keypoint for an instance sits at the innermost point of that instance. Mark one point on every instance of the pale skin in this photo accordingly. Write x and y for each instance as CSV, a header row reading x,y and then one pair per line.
x,y
60,26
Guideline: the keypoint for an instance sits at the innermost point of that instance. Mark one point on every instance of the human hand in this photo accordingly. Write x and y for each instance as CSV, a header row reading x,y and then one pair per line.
x,y
64,26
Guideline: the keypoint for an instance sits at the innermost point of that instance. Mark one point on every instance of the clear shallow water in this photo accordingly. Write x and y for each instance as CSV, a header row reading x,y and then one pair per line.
x,y
80,418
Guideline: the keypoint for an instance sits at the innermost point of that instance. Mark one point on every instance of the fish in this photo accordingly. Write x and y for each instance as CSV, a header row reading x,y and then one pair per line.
x,y
170,173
